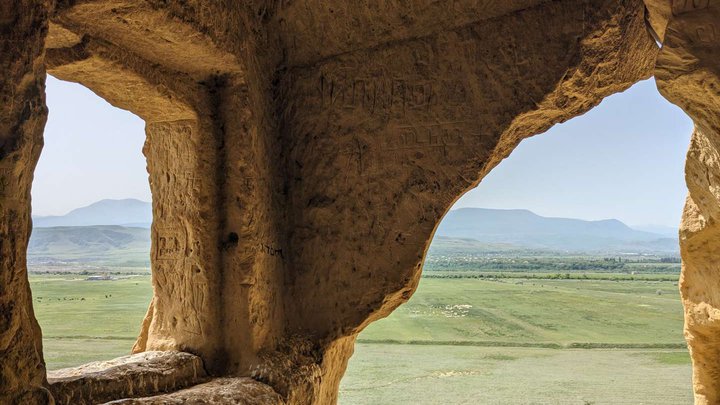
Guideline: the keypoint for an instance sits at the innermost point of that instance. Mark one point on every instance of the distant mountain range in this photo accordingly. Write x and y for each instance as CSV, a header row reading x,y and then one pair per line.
x,y
107,233
523,229
128,212
105,245
666,231
116,233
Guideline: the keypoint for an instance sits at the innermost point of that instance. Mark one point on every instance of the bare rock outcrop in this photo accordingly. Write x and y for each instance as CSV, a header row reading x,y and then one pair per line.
x,y
138,375
23,26
236,391
301,154
688,74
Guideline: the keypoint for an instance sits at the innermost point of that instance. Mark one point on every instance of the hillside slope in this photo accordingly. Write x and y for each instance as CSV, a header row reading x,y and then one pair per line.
x,y
99,245
463,232
104,212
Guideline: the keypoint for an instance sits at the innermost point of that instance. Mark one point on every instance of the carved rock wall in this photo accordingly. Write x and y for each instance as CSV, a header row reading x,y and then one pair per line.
x,y
184,313
382,141
301,154
23,25
688,74
213,154
255,253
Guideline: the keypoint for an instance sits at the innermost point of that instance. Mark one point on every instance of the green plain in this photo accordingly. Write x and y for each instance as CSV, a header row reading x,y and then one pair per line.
x,y
526,341
517,311
84,320
457,341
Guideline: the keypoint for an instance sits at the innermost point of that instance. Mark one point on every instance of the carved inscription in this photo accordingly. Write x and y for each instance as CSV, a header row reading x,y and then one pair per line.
x,y
7,12
184,129
170,244
686,6
251,184
407,7
8,194
442,142
191,180
5,176
438,136
706,34
187,181
376,95
182,173
271,251
267,249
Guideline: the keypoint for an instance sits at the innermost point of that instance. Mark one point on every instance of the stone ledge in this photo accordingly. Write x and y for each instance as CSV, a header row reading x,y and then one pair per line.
x,y
237,391
137,375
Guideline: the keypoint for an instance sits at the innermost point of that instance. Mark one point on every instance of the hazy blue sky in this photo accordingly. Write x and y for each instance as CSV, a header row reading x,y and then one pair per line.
x,y
92,151
624,159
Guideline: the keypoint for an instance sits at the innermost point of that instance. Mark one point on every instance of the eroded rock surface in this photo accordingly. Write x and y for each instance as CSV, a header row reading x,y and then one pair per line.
x,y
23,25
235,391
137,375
688,74
301,154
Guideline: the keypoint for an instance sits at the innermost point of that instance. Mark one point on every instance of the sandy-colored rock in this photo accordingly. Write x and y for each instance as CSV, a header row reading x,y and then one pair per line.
x,y
137,375
688,74
220,391
381,143
23,26
301,154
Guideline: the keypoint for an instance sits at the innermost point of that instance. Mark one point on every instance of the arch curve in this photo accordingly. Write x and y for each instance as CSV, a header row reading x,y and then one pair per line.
x,y
299,176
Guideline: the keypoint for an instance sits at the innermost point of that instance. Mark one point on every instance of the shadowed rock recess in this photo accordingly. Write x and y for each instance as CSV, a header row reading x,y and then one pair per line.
x,y
301,154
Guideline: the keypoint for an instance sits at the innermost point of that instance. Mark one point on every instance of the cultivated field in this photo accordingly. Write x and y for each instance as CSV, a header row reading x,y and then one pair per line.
x,y
459,340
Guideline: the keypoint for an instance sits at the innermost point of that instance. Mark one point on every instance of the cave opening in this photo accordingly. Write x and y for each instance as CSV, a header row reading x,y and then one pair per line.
x,y
556,279
246,149
89,252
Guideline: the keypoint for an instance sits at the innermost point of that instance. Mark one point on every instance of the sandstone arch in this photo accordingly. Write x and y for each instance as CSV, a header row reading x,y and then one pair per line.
x,y
301,154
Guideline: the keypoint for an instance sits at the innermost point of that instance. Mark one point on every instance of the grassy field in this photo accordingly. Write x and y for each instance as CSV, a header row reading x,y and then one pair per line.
x,y
517,311
380,374
459,340
88,320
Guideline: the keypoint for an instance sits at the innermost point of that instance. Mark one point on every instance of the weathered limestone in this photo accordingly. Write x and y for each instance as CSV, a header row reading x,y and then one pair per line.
x,y
236,391
688,74
382,141
301,154
138,375
23,25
